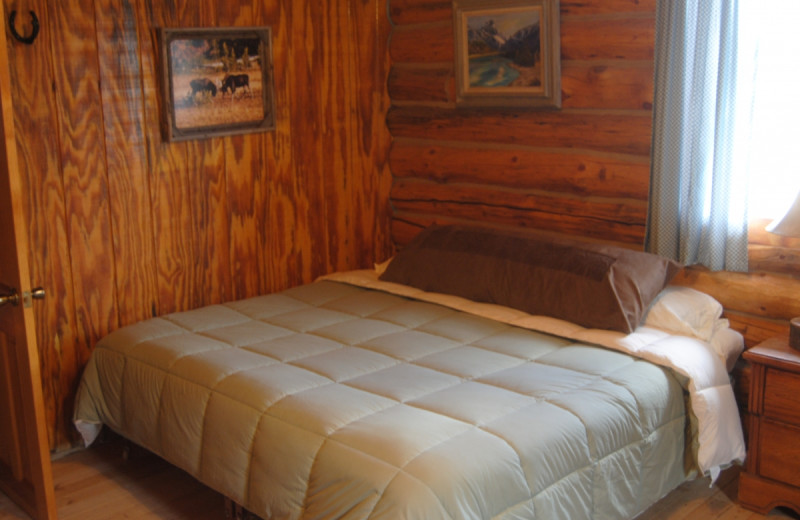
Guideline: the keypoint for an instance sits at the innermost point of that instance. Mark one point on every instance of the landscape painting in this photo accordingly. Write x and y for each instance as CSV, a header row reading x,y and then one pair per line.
x,y
217,82
507,53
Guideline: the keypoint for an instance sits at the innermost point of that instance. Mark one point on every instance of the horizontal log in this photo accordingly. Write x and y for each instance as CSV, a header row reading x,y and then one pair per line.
x,y
774,259
608,39
611,84
756,329
433,83
608,85
765,295
591,218
406,225
619,132
523,169
424,43
594,7
404,12
757,234
581,39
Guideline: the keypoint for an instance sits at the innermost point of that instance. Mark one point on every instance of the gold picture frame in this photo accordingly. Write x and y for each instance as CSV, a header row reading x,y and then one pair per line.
x,y
217,81
508,53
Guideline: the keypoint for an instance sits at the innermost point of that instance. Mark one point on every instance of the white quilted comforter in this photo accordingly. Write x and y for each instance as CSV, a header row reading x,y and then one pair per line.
x,y
332,401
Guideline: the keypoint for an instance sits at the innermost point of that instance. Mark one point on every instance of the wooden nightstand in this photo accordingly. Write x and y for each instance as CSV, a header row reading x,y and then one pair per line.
x,y
772,474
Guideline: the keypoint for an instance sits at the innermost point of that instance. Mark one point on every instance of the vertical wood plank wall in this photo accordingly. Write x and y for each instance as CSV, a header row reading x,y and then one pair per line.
x,y
123,226
582,170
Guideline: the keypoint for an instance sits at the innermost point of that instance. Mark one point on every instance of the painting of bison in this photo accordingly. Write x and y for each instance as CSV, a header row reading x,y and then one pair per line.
x,y
217,82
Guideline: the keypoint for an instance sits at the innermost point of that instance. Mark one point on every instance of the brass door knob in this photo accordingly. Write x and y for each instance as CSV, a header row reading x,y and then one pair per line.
x,y
10,296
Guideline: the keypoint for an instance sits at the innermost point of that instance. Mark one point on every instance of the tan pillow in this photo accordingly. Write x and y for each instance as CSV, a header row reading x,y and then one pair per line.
x,y
593,285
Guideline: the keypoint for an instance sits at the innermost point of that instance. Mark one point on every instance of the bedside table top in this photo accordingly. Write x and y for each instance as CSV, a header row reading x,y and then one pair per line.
x,y
775,352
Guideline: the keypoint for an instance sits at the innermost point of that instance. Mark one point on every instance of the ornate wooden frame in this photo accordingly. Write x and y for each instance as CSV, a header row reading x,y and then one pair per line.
x,y
516,44
207,76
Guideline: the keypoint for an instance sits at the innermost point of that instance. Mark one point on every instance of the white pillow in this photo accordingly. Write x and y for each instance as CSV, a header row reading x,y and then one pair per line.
x,y
684,311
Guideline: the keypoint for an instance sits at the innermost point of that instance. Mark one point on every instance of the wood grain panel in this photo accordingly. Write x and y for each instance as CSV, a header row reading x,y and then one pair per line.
x,y
308,126
83,165
522,168
171,182
129,182
627,133
246,165
369,214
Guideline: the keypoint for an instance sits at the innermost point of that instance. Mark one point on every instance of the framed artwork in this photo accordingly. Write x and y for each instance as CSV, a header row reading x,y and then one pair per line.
x,y
508,53
217,82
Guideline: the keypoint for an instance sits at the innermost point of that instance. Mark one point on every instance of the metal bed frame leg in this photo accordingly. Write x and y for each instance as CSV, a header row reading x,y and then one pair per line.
x,y
234,511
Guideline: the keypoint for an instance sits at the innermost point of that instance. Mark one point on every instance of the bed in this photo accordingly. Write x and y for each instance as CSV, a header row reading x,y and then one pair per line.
x,y
426,389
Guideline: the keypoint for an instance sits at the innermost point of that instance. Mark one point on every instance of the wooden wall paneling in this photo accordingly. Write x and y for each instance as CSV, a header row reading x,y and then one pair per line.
x,y
522,167
416,11
595,7
247,183
760,294
516,168
622,36
36,122
422,84
171,168
335,120
124,225
355,134
612,221
285,199
370,209
602,131
83,163
307,81
423,43
127,162
607,84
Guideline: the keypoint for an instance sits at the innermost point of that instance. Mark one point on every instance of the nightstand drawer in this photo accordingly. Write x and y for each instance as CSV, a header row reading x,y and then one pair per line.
x,y
779,452
781,392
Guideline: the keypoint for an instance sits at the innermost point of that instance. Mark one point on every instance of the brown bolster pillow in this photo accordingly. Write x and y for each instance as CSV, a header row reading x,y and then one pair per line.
x,y
593,285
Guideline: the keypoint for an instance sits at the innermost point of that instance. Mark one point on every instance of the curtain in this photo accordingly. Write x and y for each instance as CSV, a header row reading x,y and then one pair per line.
x,y
698,195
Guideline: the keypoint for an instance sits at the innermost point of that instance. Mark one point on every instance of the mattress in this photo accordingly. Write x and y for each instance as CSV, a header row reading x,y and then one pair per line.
x,y
332,400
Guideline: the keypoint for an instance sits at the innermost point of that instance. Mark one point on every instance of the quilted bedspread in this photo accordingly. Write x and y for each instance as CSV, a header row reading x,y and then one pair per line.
x,y
335,401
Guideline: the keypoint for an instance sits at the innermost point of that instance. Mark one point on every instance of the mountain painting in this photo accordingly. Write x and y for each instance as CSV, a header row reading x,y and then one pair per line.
x,y
507,53
504,48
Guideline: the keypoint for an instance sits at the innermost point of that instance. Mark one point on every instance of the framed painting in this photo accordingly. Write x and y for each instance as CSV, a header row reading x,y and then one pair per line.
x,y
217,82
508,53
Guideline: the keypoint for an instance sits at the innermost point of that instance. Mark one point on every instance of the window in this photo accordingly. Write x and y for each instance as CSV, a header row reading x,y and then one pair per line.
x,y
769,94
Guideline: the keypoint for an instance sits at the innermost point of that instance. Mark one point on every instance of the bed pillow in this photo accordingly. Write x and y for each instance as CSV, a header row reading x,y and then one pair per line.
x,y
685,311
593,285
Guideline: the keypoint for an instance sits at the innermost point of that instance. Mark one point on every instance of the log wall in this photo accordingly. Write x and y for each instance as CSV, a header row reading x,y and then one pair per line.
x,y
123,225
580,171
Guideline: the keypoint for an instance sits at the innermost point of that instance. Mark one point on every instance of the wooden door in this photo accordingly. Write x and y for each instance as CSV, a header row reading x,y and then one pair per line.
x,y
25,470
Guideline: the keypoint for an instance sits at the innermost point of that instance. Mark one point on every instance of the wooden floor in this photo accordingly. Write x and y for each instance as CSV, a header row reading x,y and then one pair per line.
x,y
98,484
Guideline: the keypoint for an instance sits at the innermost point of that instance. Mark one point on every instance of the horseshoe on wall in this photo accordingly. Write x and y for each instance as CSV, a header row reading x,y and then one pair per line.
x,y
24,39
